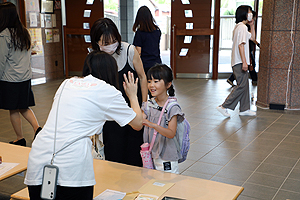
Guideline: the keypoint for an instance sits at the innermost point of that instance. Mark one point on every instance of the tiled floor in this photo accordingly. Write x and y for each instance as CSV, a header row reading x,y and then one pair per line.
x,y
259,153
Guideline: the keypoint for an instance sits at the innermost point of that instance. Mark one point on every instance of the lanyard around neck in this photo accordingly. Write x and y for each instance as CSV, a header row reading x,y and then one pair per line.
x,y
55,130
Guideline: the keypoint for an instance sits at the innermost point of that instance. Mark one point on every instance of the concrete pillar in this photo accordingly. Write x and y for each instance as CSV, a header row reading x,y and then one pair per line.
x,y
279,66
128,10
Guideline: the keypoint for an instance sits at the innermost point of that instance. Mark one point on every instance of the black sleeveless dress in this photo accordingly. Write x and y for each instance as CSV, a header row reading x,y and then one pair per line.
x,y
122,144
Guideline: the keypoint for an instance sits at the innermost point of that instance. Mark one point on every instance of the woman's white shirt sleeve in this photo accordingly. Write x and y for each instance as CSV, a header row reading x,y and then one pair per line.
x,y
243,35
119,111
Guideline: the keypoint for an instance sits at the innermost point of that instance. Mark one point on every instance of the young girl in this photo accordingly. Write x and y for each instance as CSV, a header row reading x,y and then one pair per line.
x,y
165,155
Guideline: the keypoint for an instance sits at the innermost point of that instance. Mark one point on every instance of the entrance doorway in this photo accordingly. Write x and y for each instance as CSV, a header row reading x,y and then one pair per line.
x,y
227,23
161,11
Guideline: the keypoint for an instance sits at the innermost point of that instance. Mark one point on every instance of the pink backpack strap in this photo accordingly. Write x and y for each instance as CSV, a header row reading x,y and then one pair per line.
x,y
159,120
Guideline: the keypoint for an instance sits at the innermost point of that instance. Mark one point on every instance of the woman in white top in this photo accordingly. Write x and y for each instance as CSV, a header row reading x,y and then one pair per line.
x,y
121,144
81,107
239,62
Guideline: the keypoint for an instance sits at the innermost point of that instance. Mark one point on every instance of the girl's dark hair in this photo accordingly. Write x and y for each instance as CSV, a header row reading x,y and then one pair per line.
x,y
9,18
162,71
106,29
144,20
103,66
241,13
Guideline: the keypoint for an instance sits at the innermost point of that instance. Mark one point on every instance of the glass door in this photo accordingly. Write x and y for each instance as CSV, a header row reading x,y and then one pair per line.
x,y
227,23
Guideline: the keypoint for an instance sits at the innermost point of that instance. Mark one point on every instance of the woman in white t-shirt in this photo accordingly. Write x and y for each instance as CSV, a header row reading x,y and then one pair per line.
x,y
239,62
121,144
81,107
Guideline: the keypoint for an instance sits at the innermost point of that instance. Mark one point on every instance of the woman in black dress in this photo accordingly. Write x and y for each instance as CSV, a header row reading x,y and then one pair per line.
x,y
122,144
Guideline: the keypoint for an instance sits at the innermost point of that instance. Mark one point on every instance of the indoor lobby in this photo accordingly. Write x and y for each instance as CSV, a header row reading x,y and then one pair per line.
x,y
259,153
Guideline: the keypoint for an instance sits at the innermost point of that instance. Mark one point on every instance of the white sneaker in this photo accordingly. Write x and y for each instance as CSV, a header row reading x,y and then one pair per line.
x,y
248,113
223,111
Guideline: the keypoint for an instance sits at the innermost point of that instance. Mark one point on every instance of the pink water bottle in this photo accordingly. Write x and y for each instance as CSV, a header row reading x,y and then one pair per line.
x,y
146,156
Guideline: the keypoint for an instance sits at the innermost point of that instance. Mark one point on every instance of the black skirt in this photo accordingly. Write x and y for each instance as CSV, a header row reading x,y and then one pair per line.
x,y
16,95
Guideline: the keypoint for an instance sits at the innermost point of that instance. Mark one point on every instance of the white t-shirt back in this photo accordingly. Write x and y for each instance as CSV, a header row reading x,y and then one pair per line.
x,y
240,35
84,106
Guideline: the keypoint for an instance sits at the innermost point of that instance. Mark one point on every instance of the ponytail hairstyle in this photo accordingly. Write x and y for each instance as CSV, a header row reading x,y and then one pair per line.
x,y
9,18
162,71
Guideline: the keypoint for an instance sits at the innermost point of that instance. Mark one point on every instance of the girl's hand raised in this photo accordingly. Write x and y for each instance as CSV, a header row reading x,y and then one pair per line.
x,y
130,86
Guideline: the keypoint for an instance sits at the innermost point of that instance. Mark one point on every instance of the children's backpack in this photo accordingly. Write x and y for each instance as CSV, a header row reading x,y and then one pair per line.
x,y
183,132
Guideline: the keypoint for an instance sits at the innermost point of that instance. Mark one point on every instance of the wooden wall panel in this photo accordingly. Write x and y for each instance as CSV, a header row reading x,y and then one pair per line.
x,y
77,51
75,10
198,58
75,45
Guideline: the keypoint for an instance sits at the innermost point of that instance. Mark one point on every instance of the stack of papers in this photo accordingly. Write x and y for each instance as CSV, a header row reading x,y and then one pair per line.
x,y
110,195
5,167
152,190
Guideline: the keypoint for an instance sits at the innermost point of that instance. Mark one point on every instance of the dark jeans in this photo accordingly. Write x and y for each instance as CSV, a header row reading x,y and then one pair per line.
x,y
64,193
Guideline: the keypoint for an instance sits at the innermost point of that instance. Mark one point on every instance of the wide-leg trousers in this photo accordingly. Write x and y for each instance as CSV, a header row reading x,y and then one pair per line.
x,y
239,93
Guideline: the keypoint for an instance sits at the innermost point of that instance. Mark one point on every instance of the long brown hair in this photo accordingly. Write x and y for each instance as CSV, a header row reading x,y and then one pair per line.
x,y
144,20
9,18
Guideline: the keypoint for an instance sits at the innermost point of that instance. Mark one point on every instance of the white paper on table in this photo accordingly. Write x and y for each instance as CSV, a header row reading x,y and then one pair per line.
x,y
110,195
5,167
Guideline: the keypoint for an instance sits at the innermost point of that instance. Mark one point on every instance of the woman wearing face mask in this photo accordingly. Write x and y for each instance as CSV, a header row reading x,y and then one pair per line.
x,y
122,144
240,60
252,44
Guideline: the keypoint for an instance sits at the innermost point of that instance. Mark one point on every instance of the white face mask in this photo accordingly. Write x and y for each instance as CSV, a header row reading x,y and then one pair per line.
x,y
249,17
110,49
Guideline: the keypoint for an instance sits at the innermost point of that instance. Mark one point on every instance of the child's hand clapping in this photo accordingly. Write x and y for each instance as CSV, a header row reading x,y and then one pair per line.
x,y
130,86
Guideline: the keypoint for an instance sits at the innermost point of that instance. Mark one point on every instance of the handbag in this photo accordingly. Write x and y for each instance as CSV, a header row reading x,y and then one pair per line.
x,y
98,147
146,148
